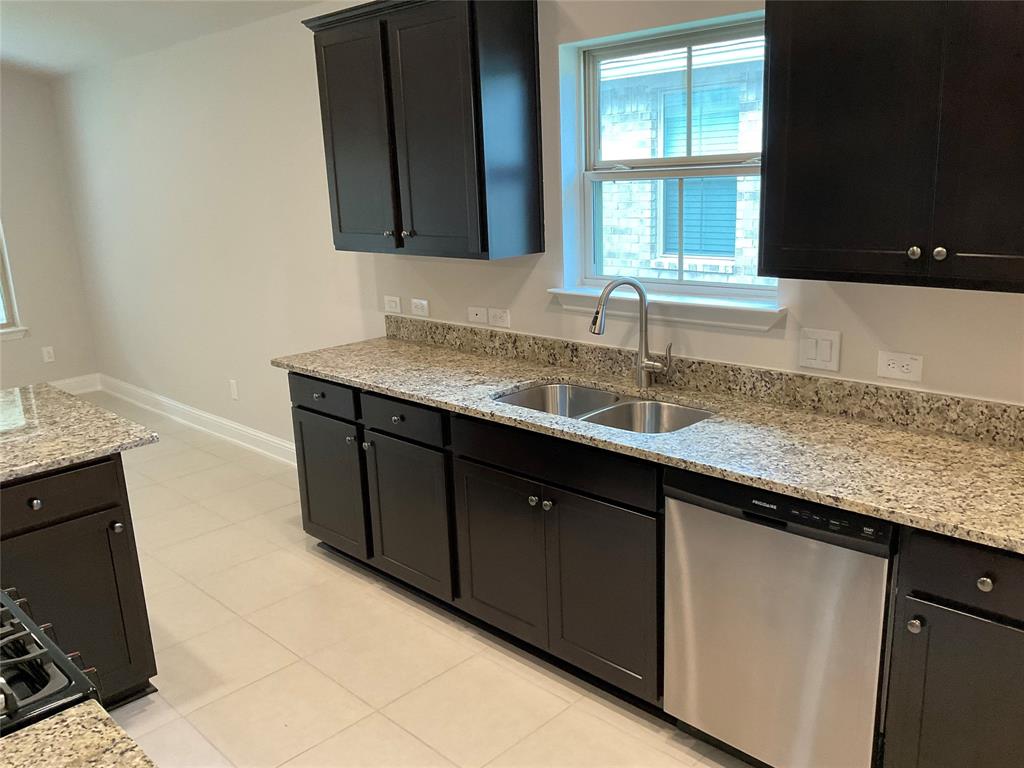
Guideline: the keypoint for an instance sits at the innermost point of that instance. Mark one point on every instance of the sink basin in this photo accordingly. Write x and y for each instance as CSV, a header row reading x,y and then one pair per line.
x,y
647,416
561,399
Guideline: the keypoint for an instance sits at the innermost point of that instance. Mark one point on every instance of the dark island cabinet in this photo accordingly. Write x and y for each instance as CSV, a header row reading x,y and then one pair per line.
x,y
79,571
573,575
408,492
431,127
956,686
330,465
894,143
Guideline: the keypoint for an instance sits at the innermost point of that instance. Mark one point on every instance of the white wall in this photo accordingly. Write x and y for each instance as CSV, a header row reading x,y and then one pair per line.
x,y
203,213
35,210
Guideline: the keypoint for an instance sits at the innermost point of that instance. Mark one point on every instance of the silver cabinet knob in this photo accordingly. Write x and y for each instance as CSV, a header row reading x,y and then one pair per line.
x,y
349,440
408,233
397,419
35,504
914,252
319,395
367,445
939,254
914,626
547,505
389,233
985,584
532,500
117,527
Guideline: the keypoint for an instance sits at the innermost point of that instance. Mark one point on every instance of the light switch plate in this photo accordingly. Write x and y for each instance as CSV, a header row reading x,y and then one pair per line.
x,y
421,307
819,349
502,318
393,304
477,314
900,365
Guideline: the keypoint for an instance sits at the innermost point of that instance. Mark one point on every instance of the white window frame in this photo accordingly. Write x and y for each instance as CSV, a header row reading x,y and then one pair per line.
x,y
11,328
596,170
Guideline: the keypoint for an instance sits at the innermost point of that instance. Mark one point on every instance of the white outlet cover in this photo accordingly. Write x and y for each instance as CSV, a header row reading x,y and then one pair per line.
x,y
421,307
48,356
476,314
900,365
502,318
819,349
393,304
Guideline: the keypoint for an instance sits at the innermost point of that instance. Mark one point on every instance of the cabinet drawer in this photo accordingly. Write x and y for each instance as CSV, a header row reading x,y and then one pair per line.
x,y
403,419
60,496
954,570
322,396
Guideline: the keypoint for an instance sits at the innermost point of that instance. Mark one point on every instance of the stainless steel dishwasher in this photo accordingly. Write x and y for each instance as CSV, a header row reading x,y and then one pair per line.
x,y
774,616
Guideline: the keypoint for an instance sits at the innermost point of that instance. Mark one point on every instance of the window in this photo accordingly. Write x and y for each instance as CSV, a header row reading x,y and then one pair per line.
x,y
8,309
673,161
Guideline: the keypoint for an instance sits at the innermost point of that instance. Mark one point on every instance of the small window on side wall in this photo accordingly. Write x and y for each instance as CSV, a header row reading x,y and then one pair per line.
x,y
673,162
8,307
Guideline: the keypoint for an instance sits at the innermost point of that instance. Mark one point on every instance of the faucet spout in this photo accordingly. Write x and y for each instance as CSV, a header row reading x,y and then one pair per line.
x,y
644,364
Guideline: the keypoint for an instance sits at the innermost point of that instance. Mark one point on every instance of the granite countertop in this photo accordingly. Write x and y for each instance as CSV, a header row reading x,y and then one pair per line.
x,y
968,489
44,428
84,735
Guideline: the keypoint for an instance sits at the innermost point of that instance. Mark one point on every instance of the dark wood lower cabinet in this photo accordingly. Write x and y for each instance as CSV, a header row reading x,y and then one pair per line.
x,y
502,572
82,576
330,464
956,694
408,493
603,590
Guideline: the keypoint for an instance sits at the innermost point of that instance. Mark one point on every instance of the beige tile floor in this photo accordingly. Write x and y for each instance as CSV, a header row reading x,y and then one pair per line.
x,y
272,653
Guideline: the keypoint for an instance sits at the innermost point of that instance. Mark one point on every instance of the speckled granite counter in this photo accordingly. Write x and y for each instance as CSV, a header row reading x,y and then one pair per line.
x,y
970,490
84,735
44,428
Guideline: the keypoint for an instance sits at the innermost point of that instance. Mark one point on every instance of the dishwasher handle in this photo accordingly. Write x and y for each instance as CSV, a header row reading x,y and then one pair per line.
x,y
760,519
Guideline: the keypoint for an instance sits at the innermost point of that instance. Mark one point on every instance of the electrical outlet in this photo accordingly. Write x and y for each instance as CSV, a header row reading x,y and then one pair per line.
x,y
499,317
233,388
477,314
421,307
48,356
900,365
820,349
393,304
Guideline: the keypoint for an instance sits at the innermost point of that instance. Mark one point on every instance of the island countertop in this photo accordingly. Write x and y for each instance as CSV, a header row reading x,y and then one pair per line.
x,y
44,428
84,735
967,489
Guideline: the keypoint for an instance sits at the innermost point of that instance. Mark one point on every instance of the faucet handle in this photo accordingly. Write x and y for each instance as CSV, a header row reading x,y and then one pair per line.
x,y
668,359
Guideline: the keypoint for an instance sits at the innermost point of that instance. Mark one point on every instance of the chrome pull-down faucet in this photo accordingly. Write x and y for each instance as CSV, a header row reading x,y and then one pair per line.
x,y
645,366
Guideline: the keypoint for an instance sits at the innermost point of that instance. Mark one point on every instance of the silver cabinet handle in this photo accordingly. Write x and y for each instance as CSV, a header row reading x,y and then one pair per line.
x,y
939,254
914,626
389,233
547,505
319,396
349,440
914,252
117,527
985,584
532,500
397,419
35,504
367,445
408,233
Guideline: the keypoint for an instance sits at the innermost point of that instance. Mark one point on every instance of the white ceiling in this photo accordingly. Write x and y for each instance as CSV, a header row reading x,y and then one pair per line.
x,y
62,36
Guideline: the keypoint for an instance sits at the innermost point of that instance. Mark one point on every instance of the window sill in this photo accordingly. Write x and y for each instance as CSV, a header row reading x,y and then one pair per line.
x,y
18,332
741,314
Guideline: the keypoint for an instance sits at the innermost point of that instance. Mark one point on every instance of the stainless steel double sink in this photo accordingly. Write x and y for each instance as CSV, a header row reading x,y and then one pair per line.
x,y
596,406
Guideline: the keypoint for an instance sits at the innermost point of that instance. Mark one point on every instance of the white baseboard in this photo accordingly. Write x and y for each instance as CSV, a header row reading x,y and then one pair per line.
x,y
254,439
76,385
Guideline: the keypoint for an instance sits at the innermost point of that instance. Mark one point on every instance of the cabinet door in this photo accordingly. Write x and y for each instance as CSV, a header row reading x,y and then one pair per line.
x,y
331,481
83,577
408,488
979,195
956,691
432,86
603,590
500,526
357,136
850,138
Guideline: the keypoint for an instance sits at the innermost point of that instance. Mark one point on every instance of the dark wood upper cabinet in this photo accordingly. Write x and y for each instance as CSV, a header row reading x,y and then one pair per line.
x,y
432,127
894,143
